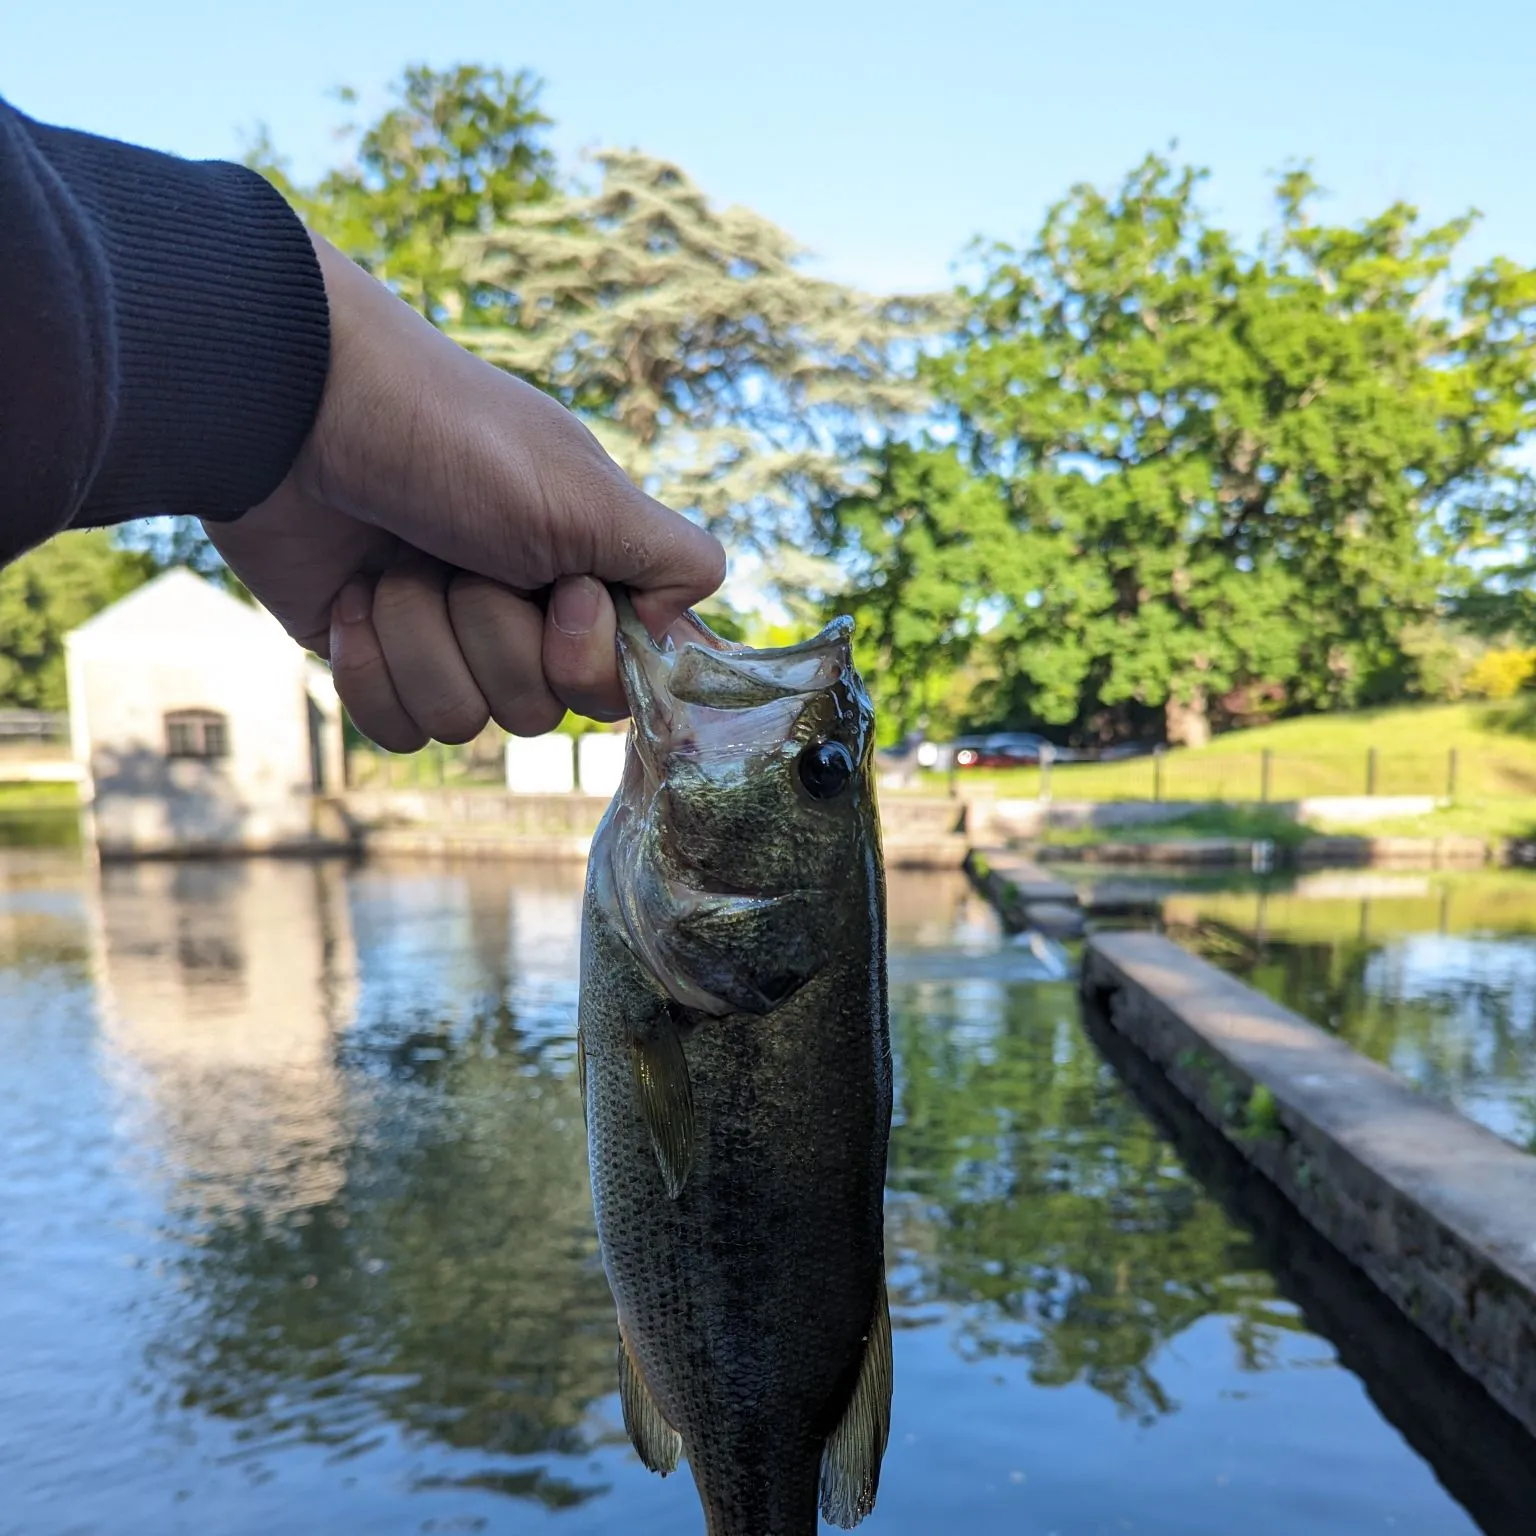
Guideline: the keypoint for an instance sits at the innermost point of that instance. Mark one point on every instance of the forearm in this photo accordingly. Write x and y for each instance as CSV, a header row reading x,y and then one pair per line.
x,y
164,335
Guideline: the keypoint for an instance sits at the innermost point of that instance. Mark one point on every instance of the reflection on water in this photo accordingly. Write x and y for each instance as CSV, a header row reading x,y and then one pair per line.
x,y
1434,976
295,1236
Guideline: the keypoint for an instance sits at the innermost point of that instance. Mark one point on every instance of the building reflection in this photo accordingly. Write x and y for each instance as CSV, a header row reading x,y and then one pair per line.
x,y
221,989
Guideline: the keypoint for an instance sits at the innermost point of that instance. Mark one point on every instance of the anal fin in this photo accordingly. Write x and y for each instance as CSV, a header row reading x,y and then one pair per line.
x,y
850,1461
665,1097
656,1443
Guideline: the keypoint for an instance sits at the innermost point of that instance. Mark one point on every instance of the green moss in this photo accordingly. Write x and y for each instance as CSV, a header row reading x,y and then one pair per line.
x,y
1262,1114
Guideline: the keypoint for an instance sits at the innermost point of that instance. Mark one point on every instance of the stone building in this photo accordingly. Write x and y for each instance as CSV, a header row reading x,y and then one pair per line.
x,y
199,725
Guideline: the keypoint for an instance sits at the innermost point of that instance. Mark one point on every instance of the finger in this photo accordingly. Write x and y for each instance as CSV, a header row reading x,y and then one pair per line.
x,y
580,658
431,677
362,676
501,637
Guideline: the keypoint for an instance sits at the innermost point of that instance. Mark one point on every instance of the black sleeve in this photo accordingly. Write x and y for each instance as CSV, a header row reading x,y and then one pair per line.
x,y
164,334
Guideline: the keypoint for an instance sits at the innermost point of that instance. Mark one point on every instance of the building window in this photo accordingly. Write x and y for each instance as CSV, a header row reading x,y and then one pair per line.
x,y
196,733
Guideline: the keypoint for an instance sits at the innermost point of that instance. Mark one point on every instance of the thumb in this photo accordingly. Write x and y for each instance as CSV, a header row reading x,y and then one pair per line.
x,y
667,562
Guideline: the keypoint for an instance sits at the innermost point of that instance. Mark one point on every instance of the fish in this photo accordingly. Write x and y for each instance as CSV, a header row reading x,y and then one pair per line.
x,y
734,1056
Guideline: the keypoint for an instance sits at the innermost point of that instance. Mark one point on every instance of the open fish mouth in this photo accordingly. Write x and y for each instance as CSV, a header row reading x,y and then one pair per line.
x,y
689,690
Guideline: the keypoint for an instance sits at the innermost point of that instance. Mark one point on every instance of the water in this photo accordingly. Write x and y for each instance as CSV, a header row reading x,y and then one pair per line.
x,y
1432,975
295,1236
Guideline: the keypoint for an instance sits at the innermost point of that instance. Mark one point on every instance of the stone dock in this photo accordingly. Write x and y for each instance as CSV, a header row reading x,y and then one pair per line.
x,y
1025,896
1439,1214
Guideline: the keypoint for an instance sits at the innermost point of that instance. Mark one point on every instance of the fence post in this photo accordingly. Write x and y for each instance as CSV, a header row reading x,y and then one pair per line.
x,y
1047,757
1370,771
1450,775
1264,760
1157,773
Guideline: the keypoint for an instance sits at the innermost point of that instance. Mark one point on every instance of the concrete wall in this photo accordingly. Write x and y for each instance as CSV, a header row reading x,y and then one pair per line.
x,y
1030,818
918,832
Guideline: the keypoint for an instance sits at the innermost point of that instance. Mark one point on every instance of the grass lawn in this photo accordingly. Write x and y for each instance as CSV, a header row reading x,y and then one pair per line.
x,y
1245,822
37,797
1495,747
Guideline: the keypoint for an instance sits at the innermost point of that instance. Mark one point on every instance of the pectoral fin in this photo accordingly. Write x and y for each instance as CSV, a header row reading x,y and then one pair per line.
x,y
581,1071
850,1461
665,1097
656,1443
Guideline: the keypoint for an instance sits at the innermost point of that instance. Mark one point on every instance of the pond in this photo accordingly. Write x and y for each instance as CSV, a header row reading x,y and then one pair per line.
x,y
1433,975
295,1236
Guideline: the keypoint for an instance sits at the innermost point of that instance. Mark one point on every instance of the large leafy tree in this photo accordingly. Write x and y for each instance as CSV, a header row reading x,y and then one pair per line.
x,y
1214,466
47,593
720,373
456,150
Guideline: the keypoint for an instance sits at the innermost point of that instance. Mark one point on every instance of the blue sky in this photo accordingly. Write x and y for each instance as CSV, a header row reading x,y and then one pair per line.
x,y
882,136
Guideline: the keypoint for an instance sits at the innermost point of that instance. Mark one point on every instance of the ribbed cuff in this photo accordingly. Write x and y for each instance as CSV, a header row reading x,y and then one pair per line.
x,y
223,332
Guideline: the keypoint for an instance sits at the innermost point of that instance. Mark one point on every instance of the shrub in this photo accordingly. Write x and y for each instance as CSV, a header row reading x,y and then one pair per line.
x,y
1501,674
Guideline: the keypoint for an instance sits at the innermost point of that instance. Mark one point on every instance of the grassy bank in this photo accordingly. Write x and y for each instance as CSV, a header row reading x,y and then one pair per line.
x,y
1495,747
1248,823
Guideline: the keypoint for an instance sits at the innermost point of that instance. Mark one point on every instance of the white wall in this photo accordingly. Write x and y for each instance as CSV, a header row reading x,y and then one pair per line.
x,y
541,765
260,795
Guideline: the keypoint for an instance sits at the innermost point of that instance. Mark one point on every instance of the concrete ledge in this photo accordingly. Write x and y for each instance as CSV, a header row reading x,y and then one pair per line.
x,y
1439,1213
1192,852
1345,850
476,842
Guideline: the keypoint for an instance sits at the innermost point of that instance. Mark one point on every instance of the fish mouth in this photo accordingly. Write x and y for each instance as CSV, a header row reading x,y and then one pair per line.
x,y
692,686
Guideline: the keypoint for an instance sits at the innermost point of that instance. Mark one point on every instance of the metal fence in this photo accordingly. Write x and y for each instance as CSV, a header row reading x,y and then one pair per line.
x,y
18,725
1262,776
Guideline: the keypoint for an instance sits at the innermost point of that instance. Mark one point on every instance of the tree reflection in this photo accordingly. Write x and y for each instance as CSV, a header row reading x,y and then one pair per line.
x,y
451,1284
1049,1211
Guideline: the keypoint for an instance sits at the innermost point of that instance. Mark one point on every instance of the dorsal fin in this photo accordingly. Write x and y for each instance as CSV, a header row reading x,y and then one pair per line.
x,y
656,1443
850,1462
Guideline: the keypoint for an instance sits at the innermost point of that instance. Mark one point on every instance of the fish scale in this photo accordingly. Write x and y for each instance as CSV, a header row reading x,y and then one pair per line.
x,y
738,1154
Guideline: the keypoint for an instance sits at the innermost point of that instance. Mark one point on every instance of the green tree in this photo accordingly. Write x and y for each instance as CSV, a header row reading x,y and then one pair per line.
x,y
1216,467
457,150
47,593
716,369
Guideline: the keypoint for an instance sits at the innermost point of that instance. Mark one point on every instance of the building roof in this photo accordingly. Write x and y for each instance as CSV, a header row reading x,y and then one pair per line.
x,y
184,609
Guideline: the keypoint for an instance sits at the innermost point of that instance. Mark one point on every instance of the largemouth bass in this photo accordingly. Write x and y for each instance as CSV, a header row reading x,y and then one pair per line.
x,y
735,1058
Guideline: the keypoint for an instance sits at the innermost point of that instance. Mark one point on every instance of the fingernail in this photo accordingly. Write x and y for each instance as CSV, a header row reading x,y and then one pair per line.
x,y
354,602
574,605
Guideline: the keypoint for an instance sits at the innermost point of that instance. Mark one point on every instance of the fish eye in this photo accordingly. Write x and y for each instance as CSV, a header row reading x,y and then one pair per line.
x,y
825,769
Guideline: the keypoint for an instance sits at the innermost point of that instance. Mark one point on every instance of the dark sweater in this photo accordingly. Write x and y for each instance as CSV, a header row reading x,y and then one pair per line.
x,y
163,334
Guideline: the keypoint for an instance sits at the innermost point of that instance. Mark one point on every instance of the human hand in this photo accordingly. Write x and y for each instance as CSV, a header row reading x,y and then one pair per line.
x,y
446,533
